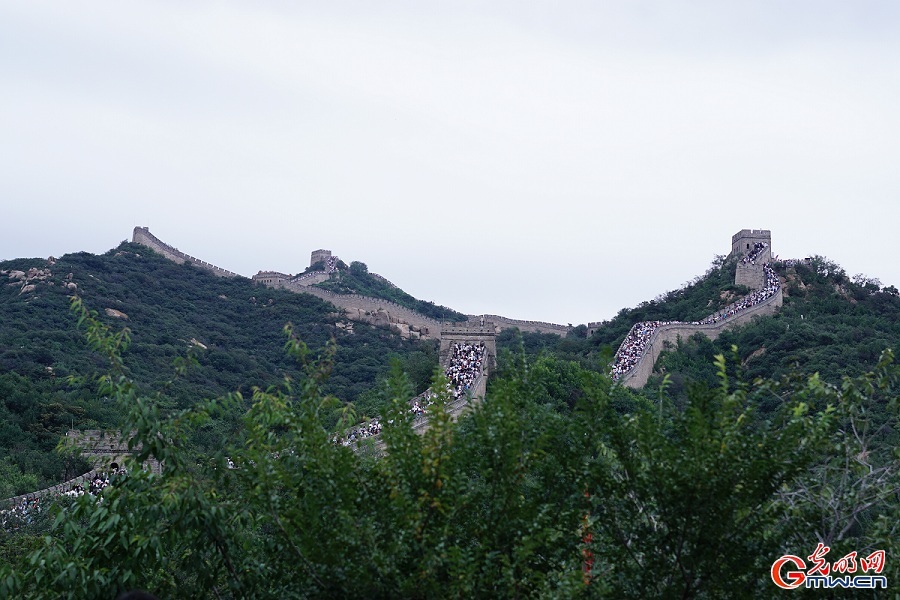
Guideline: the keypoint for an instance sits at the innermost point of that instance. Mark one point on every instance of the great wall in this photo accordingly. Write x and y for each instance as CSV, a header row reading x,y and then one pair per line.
x,y
753,249
375,311
410,323
143,236
746,244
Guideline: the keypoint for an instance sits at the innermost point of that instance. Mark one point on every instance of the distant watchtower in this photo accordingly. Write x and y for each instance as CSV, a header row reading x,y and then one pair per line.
x,y
746,239
319,256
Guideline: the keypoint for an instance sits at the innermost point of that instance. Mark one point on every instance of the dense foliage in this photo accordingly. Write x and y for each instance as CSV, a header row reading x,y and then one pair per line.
x,y
229,328
356,279
513,501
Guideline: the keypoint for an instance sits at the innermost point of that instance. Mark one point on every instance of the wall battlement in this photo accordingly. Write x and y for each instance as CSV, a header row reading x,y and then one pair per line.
x,y
143,237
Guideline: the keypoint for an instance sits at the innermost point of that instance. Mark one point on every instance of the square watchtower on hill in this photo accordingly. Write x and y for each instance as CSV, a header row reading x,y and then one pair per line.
x,y
753,248
319,256
746,239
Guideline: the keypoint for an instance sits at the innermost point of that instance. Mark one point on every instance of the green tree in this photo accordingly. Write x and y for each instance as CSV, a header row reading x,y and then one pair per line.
x,y
358,269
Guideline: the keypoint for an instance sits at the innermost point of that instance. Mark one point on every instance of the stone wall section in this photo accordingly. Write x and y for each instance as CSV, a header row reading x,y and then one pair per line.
x,y
502,323
102,448
375,311
143,237
751,275
311,278
638,376
55,490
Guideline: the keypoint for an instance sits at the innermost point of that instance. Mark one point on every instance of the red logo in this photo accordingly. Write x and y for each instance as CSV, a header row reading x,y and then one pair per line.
x,y
795,578
824,574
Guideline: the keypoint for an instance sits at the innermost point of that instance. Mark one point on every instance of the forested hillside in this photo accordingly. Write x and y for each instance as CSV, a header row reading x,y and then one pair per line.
x,y
560,484
231,329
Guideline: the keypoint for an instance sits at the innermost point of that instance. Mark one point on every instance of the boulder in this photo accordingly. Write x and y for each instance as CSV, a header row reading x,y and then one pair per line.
x,y
401,329
27,288
116,314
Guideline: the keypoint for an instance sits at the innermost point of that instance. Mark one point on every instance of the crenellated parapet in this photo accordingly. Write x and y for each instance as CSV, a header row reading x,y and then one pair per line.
x,y
143,237
502,323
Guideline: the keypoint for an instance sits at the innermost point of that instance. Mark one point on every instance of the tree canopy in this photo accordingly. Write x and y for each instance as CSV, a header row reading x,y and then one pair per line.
x,y
560,484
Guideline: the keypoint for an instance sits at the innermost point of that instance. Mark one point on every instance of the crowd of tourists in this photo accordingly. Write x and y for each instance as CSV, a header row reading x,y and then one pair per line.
x,y
747,301
635,343
362,431
24,511
21,513
750,257
632,348
331,264
464,368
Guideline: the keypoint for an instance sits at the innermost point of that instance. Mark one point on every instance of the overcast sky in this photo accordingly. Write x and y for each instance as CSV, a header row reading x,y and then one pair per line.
x,y
552,161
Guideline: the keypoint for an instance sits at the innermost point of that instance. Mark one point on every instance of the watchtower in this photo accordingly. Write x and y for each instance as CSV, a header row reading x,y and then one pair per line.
x,y
105,449
753,248
746,239
470,332
319,256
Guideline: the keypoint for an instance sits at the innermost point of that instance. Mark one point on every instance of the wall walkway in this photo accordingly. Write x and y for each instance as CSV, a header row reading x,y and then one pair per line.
x,y
669,334
54,490
358,308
